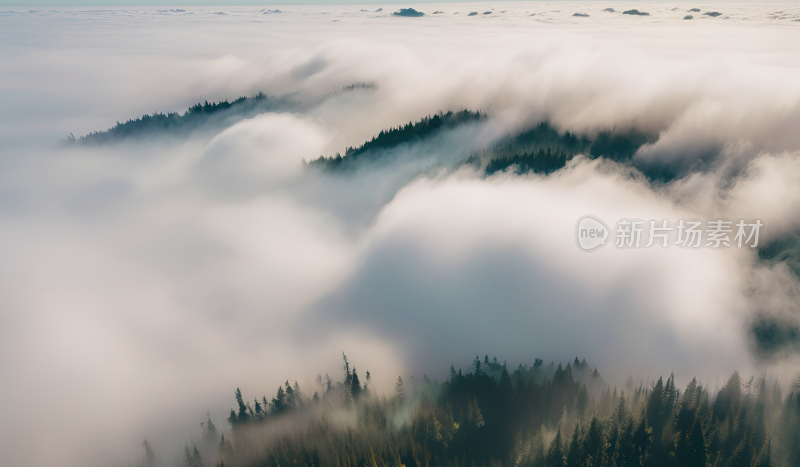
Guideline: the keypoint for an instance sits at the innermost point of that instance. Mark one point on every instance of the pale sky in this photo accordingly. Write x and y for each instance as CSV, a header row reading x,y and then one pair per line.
x,y
81,3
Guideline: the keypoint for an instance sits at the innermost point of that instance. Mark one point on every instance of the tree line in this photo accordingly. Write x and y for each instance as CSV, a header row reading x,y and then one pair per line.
x,y
493,416
195,117
411,132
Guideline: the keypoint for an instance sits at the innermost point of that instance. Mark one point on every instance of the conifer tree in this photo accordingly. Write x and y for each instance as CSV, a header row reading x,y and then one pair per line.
x,y
555,458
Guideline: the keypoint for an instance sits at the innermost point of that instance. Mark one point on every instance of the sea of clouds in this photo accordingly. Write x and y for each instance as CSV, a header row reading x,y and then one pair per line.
x,y
142,282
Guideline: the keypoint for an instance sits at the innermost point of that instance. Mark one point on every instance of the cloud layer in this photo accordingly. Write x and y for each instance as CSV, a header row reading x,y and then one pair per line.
x,y
144,281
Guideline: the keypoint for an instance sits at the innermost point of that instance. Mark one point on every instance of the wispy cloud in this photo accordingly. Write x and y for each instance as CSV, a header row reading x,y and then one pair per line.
x,y
148,279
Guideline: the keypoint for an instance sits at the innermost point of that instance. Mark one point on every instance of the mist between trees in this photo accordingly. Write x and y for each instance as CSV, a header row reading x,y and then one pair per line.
x,y
208,117
490,416
539,149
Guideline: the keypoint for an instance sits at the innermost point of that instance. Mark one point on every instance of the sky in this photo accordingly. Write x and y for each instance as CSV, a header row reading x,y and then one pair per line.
x,y
142,282
134,3
83,3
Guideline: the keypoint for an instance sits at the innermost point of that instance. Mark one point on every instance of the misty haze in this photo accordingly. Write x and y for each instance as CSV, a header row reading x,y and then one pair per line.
x,y
524,234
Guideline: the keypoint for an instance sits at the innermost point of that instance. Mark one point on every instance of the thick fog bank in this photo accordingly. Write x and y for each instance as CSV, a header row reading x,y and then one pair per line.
x,y
143,280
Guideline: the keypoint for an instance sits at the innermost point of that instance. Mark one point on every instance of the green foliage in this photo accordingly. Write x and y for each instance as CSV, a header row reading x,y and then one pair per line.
x,y
203,117
544,150
491,417
543,162
197,117
376,148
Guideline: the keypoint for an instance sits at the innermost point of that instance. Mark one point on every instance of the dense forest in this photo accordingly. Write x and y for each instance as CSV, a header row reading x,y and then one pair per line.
x,y
205,116
492,416
380,146
542,149
198,116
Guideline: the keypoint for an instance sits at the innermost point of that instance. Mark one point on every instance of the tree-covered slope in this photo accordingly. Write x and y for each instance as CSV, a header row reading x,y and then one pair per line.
x,y
198,116
543,149
491,416
410,133
206,116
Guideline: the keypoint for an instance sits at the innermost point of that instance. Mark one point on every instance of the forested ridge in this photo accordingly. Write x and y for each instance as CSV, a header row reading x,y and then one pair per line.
x,y
210,117
492,416
196,117
541,149
413,132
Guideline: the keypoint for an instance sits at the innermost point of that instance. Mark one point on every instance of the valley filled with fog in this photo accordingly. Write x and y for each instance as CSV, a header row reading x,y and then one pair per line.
x,y
149,267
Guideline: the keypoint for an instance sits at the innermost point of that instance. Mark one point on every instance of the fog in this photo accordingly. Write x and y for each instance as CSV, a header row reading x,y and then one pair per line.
x,y
143,281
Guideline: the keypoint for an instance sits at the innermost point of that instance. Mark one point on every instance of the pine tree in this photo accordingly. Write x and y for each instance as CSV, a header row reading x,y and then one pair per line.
x,y
355,385
279,403
225,451
474,414
149,455
574,452
642,442
242,417
193,458
555,457
592,445
690,448
209,430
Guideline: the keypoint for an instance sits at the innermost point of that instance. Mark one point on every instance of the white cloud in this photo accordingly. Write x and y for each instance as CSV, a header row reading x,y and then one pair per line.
x,y
145,281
